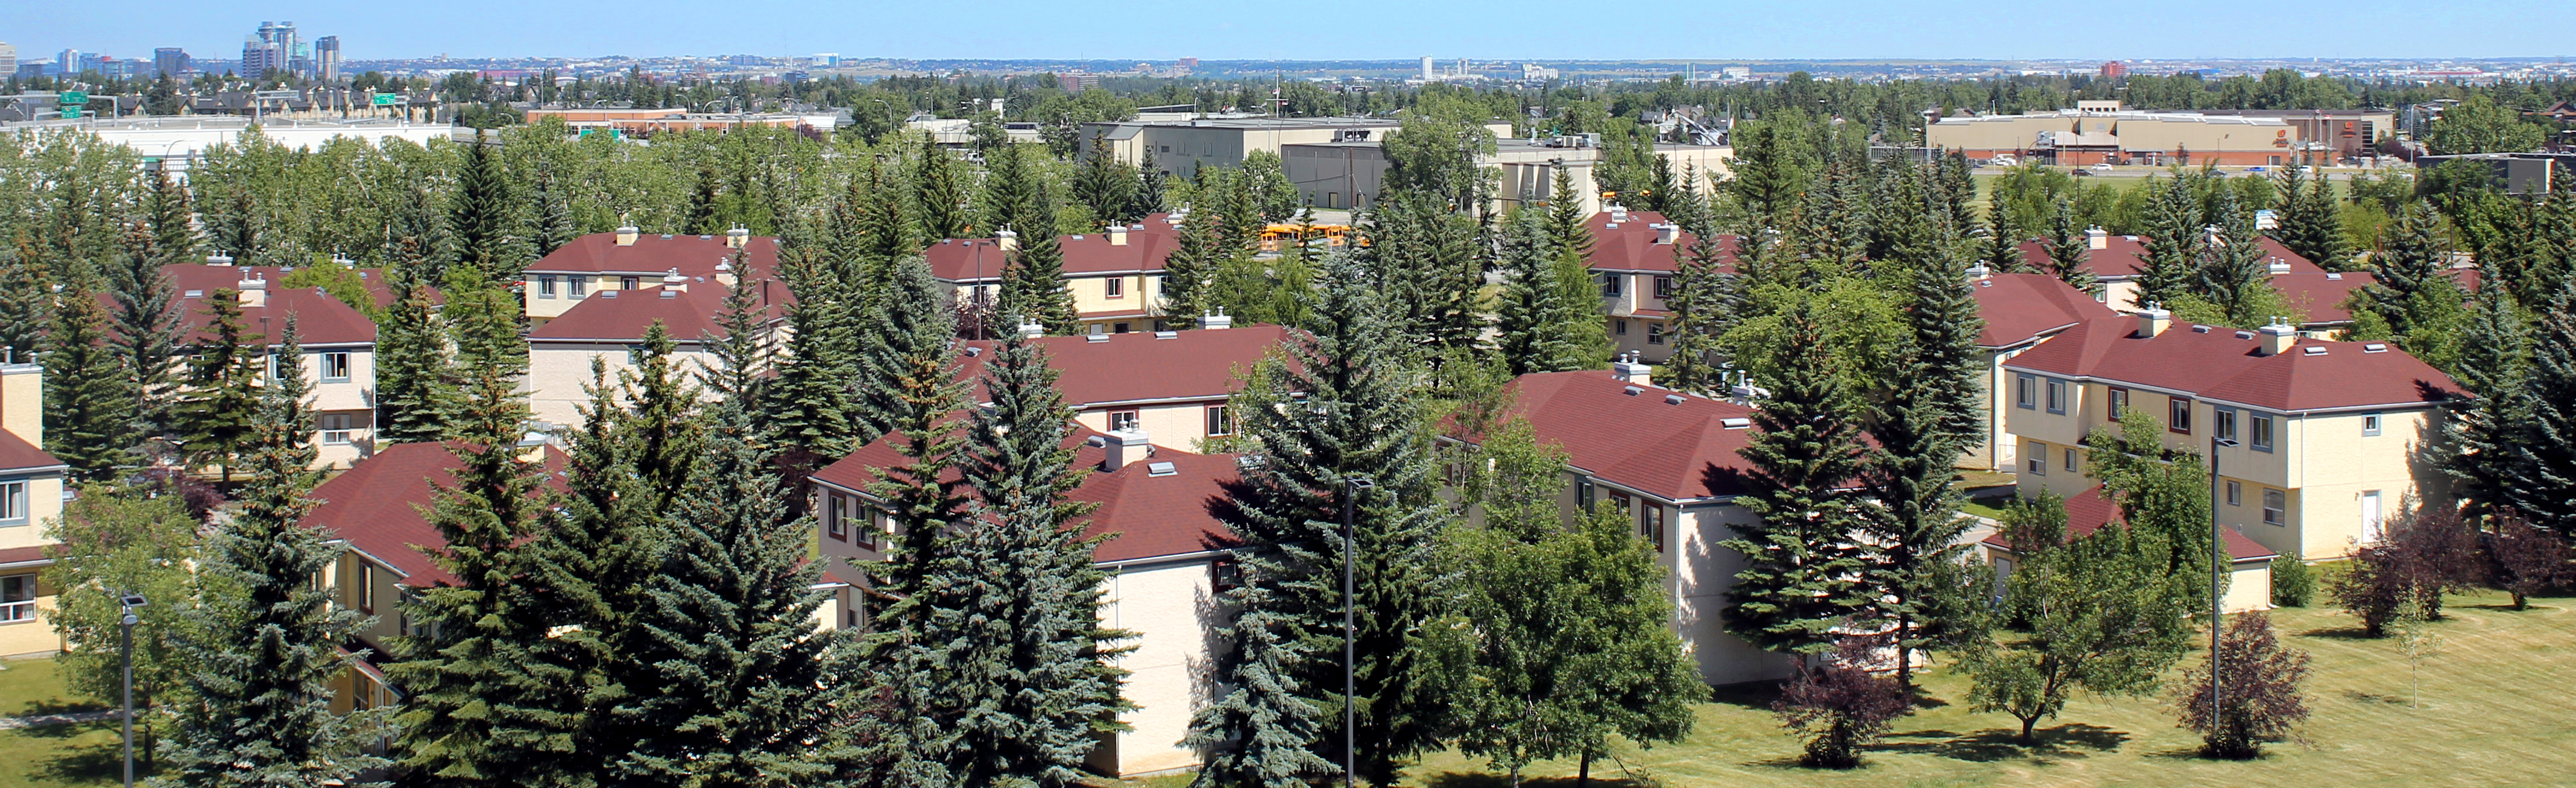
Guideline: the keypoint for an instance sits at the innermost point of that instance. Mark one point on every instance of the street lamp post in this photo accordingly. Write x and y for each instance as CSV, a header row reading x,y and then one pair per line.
x,y
1351,487
2217,576
126,631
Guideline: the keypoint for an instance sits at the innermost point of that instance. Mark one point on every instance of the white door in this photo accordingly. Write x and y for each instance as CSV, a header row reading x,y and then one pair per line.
x,y
2369,516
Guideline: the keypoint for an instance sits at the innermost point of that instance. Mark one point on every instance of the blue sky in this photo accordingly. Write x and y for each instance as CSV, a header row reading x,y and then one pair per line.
x,y
1166,29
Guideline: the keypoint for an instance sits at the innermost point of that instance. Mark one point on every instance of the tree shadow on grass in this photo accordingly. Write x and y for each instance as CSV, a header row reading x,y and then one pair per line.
x,y
2338,633
2358,696
1484,780
2069,741
42,707
1754,695
101,762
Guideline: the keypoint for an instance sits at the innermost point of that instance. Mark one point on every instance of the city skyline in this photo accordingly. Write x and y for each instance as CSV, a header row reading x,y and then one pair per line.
x,y
1020,30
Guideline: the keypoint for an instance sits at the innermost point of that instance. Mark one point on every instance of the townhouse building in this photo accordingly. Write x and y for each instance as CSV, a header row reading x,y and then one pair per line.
x,y
1669,462
2115,260
609,325
1170,386
1116,276
629,259
1636,256
2020,311
31,493
2329,438
1168,560
2249,563
339,343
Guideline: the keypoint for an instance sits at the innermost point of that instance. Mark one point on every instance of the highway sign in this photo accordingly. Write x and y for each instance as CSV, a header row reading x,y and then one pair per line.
x,y
72,97
388,99
71,113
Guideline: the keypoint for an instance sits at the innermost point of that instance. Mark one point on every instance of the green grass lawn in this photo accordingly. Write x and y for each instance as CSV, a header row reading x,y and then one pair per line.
x,y
54,755
2495,712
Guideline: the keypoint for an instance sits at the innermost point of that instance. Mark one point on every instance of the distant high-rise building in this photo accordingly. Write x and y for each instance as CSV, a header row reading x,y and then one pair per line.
x,y
326,58
8,60
169,61
2115,70
1426,68
272,48
69,62
827,59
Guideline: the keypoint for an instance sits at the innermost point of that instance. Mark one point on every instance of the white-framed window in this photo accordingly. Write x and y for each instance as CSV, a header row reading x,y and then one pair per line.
x,y
2036,458
335,428
2276,508
575,285
13,502
1123,420
1654,333
2370,516
1218,421
2056,396
2026,391
545,285
2223,422
335,367
17,599
630,282
2235,493
2069,465
2369,424
2260,431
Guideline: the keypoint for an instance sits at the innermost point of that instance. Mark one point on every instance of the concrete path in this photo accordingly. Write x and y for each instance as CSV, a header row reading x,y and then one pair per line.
x,y
39,720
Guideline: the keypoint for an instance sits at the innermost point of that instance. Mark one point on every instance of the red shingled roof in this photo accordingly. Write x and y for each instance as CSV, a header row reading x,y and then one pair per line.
x,y
2019,308
693,255
2224,364
2089,510
2120,255
1089,254
1140,366
2321,294
319,318
623,315
16,454
1630,245
1638,441
378,505
1151,515
32,555
194,276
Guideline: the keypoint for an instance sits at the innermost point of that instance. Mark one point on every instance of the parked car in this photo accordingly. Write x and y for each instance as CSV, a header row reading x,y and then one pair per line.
x,y
2255,169
2102,167
2082,173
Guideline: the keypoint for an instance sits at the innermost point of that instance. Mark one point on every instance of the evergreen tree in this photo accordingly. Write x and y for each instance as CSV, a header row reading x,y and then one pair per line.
x,y
2233,274
2003,246
1013,601
145,334
414,398
1707,300
1262,731
2309,222
86,407
1149,185
2495,354
745,351
1567,225
487,704
1033,285
906,326
888,228
661,431
552,203
939,187
809,406
1806,455
2540,474
26,304
2414,259
1932,413
168,214
218,408
1427,258
747,690
2173,244
587,567
2070,251
1107,185
1197,251
267,636
1358,418
1551,311
479,218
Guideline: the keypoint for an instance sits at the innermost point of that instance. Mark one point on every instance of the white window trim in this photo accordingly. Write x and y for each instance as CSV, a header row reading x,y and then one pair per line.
x,y
14,495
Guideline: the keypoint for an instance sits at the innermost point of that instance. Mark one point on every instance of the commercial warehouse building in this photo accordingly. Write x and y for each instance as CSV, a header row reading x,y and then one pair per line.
x,y
2097,132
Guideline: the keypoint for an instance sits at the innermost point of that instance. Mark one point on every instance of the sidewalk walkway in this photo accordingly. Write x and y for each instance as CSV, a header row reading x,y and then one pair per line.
x,y
39,720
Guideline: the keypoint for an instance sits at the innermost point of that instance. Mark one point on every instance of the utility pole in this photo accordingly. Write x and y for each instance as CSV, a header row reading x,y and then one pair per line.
x,y
1351,487
2217,578
126,636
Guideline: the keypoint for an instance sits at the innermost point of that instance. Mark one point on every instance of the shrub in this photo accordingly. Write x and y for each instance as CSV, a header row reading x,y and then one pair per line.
x,y
1839,705
2525,559
2260,696
2294,583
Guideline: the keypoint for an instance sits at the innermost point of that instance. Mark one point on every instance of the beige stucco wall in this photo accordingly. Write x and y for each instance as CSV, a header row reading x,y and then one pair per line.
x,y
35,636
1702,571
543,308
44,504
22,400
557,371
1180,426
1139,293
1170,607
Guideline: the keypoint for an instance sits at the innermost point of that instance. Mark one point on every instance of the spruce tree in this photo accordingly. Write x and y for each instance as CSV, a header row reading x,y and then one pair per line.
x,y
940,188
661,431
2173,245
1012,624
168,214
552,203
218,409
809,405
479,219
2233,274
1197,251
1033,286
1149,185
2309,222
746,692
1567,225
145,334
908,324
1551,310
1428,259
266,637
1357,418
2540,474
86,405
1106,185
1262,731
888,227
745,352
1806,455
1932,412
2002,250
1707,300
26,304
414,398
2495,353
2414,256
588,566
2070,251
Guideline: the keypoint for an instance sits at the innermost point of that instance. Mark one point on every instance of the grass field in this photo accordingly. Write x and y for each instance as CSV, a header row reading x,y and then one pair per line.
x,y
2496,711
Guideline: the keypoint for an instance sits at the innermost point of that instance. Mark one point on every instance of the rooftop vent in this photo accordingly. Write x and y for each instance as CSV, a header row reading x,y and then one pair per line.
x,y
1673,399
1095,337
2374,347
2335,275
666,236
1735,423
2314,350
1095,441
972,351
1167,335
2200,329
193,294
670,294
1077,238
2244,335
1633,391
608,294
1161,469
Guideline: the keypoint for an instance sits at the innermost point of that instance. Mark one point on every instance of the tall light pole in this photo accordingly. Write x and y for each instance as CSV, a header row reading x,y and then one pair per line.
x,y
1351,487
2218,566
126,627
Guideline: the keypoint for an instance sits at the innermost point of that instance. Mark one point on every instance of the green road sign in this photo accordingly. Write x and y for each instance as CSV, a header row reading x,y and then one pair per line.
x,y
73,97
387,99
71,113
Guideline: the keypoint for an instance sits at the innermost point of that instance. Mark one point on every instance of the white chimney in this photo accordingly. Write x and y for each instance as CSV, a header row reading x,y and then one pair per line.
x,y
1125,446
1216,320
1628,369
724,273
2278,337
219,258
254,290
2097,238
1118,235
673,281
2152,321
2278,266
1032,330
626,235
1668,233
1009,241
737,238
1980,271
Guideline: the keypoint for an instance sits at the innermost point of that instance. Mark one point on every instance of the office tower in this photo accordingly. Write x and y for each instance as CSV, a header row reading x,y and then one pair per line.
x,y
1426,68
326,58
69,62
169,61
273,47
8,60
